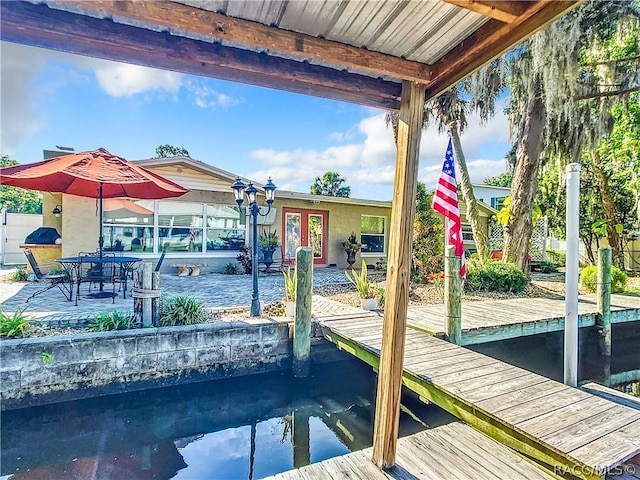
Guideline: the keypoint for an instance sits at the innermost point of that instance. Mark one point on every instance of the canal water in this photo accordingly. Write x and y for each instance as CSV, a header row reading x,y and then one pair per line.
x,y
243,428
543,354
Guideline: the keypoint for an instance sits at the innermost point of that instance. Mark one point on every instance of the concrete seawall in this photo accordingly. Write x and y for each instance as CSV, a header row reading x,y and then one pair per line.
x,y
36,371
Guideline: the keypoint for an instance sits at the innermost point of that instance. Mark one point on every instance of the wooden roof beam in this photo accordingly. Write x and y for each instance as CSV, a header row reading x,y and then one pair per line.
x,y
38,25
491,40
504,11
182,19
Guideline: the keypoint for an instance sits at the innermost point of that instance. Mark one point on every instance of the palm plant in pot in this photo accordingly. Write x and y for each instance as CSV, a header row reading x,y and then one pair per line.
x,y
352,246
269,242
367,291
289,299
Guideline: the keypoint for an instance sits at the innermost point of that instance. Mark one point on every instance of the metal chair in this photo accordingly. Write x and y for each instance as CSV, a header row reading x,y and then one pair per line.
x,y
160,260
99,270
53,279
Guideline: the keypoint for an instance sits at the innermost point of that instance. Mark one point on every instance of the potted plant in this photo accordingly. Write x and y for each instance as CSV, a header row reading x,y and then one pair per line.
x,y
366,290
269,242
290,280
351,245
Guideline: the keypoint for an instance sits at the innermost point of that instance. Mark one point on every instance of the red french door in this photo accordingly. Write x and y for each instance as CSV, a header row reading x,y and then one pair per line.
x,y
305,228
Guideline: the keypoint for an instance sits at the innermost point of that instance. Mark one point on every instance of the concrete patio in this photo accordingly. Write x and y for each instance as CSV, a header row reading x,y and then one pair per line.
x,y
214,289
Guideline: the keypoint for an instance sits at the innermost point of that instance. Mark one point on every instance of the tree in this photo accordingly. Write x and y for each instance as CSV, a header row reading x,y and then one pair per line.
x,y
427,254
18,200
502,180
163,151
549,119
331,185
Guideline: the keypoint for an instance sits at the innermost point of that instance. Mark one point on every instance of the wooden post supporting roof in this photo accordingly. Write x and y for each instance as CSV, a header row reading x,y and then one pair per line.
x,y
385,434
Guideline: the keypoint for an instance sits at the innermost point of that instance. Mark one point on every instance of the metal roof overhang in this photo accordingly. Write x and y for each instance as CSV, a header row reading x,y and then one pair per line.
x,y
357,52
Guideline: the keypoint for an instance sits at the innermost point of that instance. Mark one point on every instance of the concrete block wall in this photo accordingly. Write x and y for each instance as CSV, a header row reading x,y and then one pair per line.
x,y
49,369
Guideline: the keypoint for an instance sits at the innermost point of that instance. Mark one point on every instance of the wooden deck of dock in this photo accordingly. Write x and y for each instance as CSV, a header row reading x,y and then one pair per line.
x,y
495,320
550,422
452,451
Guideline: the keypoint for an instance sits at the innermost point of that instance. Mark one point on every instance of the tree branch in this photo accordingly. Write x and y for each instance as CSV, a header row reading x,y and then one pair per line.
x,y
611,93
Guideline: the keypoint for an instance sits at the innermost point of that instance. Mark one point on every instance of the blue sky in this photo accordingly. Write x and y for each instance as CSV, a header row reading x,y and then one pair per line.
x,y
51,98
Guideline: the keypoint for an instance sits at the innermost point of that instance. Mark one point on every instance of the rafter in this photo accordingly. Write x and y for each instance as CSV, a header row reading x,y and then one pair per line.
x,y
184,19
496,10
38,25
491,40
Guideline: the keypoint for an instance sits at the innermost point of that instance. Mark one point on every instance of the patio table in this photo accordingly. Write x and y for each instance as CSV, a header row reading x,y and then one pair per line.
x,y
72,265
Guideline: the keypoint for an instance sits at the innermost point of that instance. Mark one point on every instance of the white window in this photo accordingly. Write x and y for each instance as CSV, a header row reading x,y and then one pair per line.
x,y
372,233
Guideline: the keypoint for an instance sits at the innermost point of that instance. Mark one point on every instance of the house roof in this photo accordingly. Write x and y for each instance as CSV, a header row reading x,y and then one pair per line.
x,y
355,51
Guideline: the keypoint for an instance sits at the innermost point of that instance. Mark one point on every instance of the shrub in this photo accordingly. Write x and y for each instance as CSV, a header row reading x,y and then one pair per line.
x,y
110,321
181,310
494,277
381,297
589,279
290,281
231,268
548,267
557,257
20,275
244,257
359,280
275,309
14,325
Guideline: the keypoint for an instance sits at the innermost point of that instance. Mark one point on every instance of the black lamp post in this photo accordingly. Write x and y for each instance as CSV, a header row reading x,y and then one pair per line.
x,y
239,190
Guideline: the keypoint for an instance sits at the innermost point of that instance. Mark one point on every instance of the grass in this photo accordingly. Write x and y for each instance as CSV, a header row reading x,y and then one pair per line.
x,y
14,325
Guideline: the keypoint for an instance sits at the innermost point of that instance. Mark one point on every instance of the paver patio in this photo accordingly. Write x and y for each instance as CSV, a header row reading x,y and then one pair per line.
x,y
214,289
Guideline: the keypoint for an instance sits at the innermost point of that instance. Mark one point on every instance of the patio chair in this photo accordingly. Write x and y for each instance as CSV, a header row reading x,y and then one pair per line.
x,y
160,260
53,279
97,273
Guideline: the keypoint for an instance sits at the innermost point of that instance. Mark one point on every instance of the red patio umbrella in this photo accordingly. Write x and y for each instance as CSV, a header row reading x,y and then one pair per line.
x,y
96,174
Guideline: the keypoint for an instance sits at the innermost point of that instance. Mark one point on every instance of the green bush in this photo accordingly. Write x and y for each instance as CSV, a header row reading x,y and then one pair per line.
x,y
110,321
548,267
181,310
20,275
589,279
245,258
14,325
231,268
557,257
494,277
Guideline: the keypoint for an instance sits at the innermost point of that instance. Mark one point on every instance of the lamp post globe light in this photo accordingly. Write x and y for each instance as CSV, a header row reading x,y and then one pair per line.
x,y
239,191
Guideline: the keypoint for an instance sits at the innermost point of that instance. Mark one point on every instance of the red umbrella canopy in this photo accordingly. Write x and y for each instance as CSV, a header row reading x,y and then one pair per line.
x,y
82,173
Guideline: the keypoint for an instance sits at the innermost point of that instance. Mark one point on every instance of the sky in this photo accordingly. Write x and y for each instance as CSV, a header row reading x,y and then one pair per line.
x,y
51,99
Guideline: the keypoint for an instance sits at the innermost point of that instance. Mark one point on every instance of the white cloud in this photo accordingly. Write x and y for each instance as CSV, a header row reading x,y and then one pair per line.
x,y
125,80
18,97
205,97
369,166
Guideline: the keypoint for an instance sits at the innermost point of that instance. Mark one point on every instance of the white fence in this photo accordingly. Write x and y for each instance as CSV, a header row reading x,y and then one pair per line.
x,y
13,230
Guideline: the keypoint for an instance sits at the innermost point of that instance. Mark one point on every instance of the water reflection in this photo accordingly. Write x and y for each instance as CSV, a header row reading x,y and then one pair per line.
x,y
244,428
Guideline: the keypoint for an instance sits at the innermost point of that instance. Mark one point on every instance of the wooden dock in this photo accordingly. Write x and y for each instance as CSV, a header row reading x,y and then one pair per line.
x,y
554,424
495,320
452,451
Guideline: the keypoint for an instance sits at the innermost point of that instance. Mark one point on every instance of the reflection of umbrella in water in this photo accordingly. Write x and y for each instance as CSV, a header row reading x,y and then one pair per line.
x,y
121,206
96,174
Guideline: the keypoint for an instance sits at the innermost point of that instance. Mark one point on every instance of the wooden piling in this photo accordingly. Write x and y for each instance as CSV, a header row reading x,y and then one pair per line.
x,y
300,438
603,319
604,297
453,296
302,320
146,295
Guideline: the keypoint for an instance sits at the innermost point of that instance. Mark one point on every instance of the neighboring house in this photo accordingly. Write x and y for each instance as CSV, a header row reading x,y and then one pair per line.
x,y
490,195
206,226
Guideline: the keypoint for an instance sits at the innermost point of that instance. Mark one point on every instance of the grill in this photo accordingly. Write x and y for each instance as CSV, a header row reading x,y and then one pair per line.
x,y
42,236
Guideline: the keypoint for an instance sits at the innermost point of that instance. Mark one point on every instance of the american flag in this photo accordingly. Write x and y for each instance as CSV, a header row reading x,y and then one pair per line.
x,y
445,201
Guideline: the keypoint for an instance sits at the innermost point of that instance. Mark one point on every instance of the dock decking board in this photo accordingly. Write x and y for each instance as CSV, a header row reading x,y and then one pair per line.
x,y
541,418
454,450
